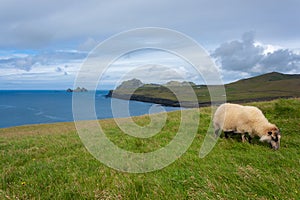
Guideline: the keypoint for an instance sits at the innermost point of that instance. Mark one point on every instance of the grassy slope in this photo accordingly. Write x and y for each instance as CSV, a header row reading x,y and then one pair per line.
x,y
268,85
50,162
260,87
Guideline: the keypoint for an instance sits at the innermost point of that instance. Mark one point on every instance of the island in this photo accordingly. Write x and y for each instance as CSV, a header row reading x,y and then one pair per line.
x,y
78,89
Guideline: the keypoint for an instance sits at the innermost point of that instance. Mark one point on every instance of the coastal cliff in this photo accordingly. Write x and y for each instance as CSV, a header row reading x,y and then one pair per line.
x,y
156,100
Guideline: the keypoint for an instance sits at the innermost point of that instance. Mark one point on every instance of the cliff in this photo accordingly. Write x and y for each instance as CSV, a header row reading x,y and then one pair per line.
x,y
156,100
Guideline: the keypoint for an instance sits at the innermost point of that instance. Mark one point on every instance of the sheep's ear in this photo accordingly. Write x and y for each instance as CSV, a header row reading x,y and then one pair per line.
x,y
270,133
265,138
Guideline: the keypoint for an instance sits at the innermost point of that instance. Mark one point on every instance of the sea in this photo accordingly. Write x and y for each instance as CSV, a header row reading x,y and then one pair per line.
x,y
24,107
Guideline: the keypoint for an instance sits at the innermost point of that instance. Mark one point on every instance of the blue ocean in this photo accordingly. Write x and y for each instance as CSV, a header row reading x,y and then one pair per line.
x,y
22,107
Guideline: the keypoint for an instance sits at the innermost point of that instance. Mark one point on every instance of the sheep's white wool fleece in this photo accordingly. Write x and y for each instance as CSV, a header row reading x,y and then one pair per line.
x,y
241,119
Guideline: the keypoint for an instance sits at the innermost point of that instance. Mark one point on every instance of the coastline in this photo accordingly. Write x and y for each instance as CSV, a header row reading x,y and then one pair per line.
x,y
264,87
184,104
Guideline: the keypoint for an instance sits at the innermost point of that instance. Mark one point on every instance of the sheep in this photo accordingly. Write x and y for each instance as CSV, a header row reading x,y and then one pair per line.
x,y
234,118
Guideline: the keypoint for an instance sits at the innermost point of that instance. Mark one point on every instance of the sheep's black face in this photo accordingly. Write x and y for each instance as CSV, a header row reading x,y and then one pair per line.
x,y
274,138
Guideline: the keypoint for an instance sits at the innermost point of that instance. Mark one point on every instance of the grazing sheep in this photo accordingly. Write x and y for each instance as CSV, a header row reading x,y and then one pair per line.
x,y
234,118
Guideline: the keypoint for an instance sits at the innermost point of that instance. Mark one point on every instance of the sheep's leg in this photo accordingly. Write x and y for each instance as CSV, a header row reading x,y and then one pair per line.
x,y
226,133
251,136
250,139
217,132
243,137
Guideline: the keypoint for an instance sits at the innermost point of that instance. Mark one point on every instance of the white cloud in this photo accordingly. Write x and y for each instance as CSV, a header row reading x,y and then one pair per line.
x,y
270,48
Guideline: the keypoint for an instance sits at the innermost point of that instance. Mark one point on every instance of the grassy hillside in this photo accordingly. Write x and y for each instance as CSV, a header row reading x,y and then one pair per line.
x,y
267,86
50,162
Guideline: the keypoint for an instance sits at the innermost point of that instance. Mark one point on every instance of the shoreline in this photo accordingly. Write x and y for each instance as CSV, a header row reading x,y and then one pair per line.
x,y
185,104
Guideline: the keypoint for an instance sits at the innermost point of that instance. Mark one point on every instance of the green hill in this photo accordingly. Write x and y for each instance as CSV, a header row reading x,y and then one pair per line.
x,y
50,162
264,87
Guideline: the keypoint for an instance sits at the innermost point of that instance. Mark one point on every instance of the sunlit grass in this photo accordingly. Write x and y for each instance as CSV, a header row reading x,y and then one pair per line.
x,y
50,162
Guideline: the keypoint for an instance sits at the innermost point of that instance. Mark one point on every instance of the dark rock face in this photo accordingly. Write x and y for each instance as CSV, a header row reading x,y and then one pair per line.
x,y
109,94
134,97
161,101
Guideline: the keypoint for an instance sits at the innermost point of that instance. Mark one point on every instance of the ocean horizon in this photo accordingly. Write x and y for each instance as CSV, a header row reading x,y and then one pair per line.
x,y
27,107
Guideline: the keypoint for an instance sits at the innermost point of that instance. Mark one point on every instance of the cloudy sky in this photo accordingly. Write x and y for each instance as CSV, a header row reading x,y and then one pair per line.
x,y
43,44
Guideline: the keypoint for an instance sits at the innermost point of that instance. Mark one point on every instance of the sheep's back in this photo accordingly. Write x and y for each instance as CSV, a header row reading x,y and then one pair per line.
x,y
230,116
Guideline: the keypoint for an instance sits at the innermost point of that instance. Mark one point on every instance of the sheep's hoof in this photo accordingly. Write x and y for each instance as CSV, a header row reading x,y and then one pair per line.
x,y
226,133
250,139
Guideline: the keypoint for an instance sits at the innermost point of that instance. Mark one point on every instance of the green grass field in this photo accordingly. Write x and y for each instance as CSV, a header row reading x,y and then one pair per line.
x,y
50,162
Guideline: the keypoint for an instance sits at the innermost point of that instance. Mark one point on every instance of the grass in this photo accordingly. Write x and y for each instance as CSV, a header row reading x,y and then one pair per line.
x,y
50,162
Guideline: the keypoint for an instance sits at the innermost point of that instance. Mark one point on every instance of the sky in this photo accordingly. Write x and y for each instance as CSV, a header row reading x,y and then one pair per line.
x,y
43,44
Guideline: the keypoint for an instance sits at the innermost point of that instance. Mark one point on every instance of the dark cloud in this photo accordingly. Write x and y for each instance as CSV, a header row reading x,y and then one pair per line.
x,y
237,55
34,24
282,60
248,57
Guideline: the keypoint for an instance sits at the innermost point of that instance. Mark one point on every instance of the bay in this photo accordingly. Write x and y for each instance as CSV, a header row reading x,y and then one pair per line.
x,y
24,107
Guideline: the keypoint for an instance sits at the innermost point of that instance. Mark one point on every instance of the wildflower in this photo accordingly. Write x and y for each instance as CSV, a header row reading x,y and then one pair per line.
x,y
23,183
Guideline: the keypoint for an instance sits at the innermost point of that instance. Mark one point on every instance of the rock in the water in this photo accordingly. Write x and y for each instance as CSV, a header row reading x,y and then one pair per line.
x,y
78,89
